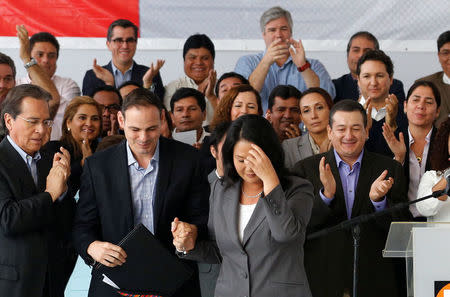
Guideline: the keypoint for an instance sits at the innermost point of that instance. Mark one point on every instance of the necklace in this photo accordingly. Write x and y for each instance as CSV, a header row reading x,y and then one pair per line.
x,y
252,196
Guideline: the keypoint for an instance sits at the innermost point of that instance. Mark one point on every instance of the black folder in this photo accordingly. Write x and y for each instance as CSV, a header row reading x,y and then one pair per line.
x,y
149,267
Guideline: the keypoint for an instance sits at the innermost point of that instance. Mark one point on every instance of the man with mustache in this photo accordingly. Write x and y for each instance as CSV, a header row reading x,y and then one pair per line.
x,y
188,113
284,111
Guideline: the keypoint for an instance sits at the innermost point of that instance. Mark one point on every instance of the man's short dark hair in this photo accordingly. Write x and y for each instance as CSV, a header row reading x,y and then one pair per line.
x,y
5,59
226,75
218,133
44,37
141,97
443,39
130,83
124,24
13,102
182,93
198,41
376,55
108,88
284,92
348,105
365,34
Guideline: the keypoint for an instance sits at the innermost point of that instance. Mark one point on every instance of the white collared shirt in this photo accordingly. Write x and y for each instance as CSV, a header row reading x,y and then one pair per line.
x,y
445,79
416,170
377,115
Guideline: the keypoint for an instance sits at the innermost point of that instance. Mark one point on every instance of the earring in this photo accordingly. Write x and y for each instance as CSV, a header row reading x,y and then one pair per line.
x,y
68,129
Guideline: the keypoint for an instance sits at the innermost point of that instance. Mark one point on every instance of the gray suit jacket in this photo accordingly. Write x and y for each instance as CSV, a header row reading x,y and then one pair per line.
x,y
208,273
269,262
296,149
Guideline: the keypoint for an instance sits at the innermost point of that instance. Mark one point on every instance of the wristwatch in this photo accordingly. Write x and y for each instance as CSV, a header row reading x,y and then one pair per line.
x,y
31,63
304,67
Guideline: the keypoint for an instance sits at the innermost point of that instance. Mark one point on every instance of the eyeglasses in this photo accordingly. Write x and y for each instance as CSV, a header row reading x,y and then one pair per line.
x,y
35,122
111,107
120,41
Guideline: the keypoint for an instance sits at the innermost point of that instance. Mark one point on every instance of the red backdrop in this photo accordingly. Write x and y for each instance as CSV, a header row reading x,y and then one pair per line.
x,y
80,18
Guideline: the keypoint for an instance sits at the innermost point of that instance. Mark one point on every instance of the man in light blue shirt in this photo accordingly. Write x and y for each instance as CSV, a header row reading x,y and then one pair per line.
x,y
284,61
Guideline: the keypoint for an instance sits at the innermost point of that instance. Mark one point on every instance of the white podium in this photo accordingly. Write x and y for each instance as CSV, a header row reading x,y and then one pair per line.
x,y
426,248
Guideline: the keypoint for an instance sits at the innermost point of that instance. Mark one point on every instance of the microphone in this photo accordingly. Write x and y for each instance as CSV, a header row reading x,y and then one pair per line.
x,y
445,191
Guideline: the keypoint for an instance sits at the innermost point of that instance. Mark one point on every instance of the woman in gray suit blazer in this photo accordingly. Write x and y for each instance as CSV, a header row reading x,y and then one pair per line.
x,y
315,105
257,220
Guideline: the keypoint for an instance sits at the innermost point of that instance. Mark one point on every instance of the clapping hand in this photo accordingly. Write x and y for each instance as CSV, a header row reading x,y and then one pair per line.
x,y
147,79
327,179
391,111
103,74
380,187
297,52
277,50
58,175
397,146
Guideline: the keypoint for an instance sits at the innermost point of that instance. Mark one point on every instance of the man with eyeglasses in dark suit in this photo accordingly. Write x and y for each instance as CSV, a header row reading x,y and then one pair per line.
x,y
122,41
35,211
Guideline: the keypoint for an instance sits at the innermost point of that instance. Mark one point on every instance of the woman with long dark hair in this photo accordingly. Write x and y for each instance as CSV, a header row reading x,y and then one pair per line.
x,y
257,220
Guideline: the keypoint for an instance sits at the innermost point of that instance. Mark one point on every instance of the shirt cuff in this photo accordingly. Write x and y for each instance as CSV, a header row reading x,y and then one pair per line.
x,y
325,200
380,205
60,198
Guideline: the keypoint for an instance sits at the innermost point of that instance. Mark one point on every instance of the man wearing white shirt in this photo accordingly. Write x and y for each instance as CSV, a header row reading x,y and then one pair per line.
x,y
198,57
441,79
39,55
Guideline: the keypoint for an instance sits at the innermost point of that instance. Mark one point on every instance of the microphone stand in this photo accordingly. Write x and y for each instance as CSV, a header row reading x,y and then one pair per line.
x,y
355,223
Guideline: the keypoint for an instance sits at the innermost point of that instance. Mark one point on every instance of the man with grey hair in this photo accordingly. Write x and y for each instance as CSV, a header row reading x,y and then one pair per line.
x,y
7,75
35,214
283,61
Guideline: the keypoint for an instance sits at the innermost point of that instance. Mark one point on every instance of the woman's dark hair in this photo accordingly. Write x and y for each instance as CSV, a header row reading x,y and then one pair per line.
x,y
256,129
439,149
325,95
432,86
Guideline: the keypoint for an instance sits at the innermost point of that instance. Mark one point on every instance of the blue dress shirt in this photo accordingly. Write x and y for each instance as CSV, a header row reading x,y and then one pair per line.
x,y
119,77
349,178
31,161
143,184
287,74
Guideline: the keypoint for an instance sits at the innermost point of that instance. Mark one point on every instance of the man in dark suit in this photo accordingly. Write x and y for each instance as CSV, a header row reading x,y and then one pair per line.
x,y
122,41
347,84
147,179
348,182
34,212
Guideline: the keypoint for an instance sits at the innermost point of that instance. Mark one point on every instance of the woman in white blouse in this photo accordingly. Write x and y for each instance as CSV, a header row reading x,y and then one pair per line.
x,y
437,210
422,107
